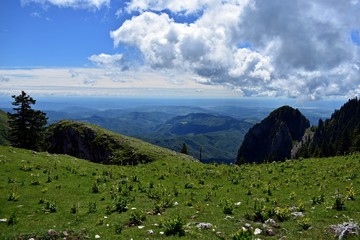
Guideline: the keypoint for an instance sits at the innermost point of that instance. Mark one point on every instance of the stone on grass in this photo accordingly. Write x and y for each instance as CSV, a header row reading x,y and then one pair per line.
x,y
97,236
257,231
204,225
228,217
150,232
297,214
52,232
345,229
272,223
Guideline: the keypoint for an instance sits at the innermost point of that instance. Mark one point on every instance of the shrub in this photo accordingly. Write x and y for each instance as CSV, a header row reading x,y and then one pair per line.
x,y
174,226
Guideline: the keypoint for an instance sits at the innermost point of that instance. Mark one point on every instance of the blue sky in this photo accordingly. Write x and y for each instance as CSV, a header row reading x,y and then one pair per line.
x,y
307,50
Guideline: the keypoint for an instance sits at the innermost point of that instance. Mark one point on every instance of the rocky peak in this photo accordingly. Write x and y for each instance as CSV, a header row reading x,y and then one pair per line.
x,y
272,139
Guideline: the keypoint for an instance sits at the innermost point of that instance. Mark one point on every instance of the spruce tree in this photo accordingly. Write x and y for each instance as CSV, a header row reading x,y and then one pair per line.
x,y
26,125
184,149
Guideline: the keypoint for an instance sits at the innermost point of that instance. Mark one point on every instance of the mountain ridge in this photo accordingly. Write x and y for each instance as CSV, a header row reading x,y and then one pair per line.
x,y
272,139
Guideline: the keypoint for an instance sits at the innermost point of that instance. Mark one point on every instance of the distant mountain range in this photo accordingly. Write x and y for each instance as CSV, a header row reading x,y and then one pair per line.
x,y
211,133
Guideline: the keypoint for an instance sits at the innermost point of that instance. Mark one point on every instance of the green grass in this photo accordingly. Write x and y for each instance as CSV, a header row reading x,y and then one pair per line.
x,y
63,193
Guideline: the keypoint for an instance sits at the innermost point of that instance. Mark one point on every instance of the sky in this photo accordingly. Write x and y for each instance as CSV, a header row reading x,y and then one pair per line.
x,y
306,50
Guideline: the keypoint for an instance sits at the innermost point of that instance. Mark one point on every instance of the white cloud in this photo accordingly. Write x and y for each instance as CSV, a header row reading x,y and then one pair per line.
x,y
107,60
91,4
100,81
300,49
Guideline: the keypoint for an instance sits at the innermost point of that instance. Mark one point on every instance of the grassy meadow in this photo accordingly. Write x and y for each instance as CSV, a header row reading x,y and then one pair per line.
x,y
165,199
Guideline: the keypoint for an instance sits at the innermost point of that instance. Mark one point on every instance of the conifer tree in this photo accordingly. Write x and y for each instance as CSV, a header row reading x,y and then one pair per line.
x,y
26,125
184,149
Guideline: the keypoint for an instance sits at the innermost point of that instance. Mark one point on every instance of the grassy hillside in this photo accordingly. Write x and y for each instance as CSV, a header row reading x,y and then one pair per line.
x,y
4,129
40,192
99,145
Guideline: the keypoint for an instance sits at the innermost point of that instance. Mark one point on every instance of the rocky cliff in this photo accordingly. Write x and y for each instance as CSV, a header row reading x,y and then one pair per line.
x,y
272,139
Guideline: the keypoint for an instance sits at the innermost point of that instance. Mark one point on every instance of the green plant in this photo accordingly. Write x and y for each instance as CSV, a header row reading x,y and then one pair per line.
x,y
95,188
174,226
92,207
121,205
242,234
304,223
259,210
13,219
35,180
282,214
136,218
292,195
13,196
339,202
50,206
318,199
228,206
118,228
350,193
75,208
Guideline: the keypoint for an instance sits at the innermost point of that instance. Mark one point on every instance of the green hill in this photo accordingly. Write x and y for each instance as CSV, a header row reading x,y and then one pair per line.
x,y
99,145
4,129
51,196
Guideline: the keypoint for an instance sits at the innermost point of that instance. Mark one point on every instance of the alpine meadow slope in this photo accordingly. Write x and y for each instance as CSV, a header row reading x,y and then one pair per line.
x,y
52,196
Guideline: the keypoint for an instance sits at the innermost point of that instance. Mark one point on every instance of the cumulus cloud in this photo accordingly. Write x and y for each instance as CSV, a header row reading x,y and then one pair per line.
x,y
90,4
300,49
103,60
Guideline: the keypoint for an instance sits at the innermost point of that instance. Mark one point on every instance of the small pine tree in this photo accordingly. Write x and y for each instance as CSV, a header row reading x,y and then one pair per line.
x,y
184,149
26,125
